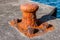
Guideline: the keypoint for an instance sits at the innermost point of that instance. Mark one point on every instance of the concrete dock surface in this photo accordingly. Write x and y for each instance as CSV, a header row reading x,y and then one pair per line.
x,y
9,9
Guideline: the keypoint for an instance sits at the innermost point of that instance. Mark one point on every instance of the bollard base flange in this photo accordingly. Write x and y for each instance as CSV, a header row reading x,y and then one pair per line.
x,y
34,31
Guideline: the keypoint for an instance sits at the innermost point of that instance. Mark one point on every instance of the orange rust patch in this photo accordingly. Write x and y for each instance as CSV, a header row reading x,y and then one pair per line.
x,y
29,25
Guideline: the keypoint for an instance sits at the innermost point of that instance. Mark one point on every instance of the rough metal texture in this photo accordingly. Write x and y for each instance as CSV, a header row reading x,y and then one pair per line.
x,y
10,9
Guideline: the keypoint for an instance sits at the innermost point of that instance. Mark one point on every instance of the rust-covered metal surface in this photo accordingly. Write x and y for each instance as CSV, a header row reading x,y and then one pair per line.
x,y
29,25
10,9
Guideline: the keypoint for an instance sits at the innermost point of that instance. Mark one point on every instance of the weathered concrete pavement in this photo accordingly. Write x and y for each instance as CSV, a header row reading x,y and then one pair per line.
x,y
9,9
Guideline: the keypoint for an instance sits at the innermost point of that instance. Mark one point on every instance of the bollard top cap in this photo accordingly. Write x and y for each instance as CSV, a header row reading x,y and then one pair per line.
x,y
29,7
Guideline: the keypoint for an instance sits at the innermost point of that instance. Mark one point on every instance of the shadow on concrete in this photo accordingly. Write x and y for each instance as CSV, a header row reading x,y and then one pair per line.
x,y
48,17
55,13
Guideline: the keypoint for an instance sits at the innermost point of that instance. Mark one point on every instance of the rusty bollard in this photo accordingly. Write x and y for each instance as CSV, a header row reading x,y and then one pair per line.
x,y
29,24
